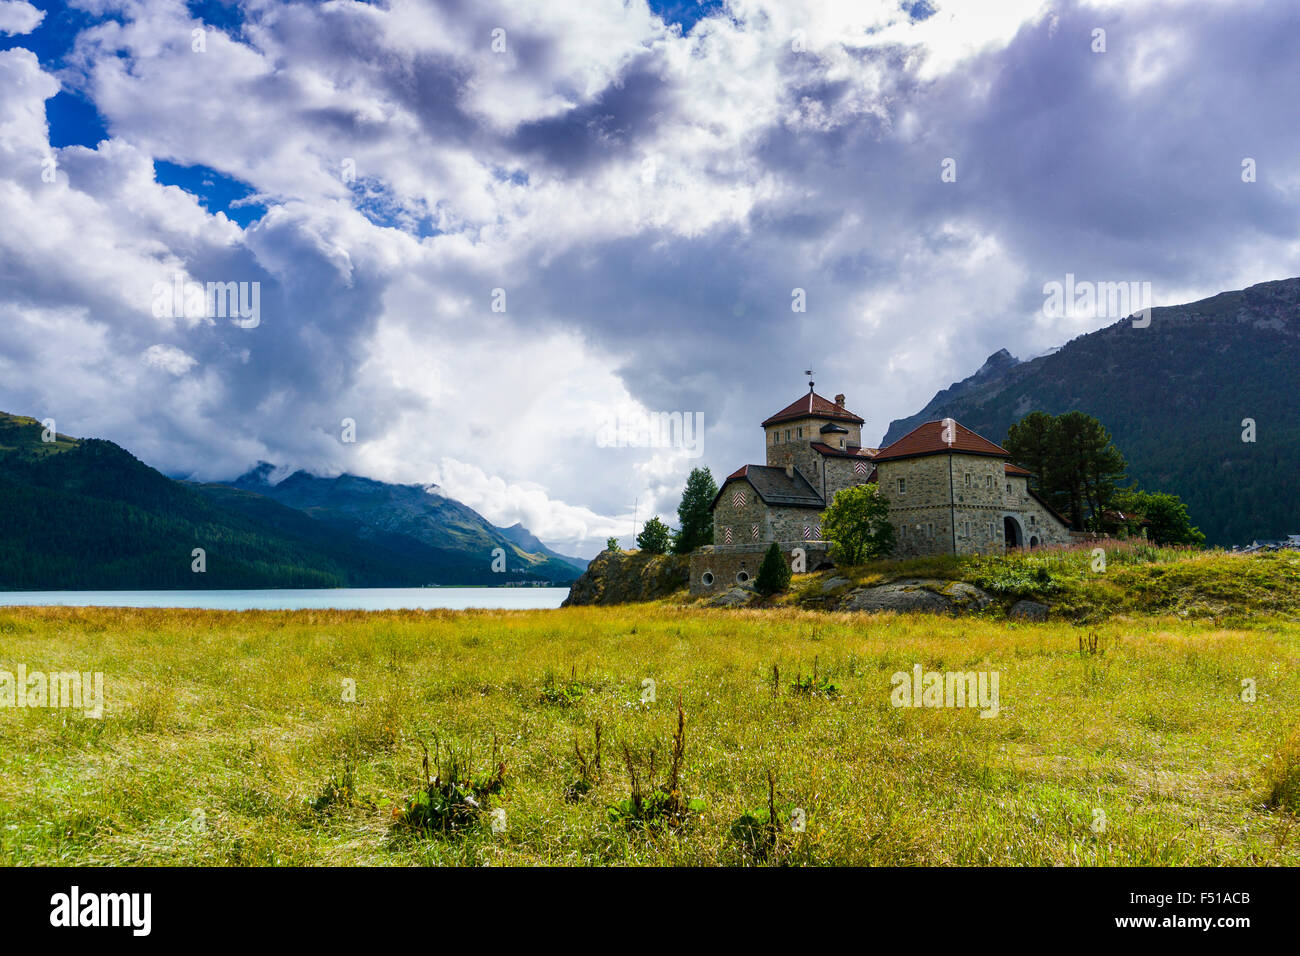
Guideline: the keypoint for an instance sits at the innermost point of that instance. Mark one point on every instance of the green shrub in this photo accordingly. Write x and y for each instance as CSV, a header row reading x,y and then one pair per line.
x,y
814,685
452,799
773,573
663,807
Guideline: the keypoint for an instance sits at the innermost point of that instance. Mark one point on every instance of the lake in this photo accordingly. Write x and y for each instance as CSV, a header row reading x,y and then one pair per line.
x,y
292,599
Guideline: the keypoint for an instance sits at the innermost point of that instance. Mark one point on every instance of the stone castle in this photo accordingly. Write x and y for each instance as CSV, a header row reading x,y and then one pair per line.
x,y
950,491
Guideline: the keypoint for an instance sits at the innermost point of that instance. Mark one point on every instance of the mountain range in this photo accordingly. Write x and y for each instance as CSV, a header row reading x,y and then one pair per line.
x,y
86,514
1179,397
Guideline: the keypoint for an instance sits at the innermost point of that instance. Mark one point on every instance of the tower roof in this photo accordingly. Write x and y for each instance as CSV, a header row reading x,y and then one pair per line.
x,y
813,405
928,439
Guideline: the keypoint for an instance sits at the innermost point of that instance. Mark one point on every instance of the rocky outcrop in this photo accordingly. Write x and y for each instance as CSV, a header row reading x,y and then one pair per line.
x,y
736,597
1028,611
918,594
622,577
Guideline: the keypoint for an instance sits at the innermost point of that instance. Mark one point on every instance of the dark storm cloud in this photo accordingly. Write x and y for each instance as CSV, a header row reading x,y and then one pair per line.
x,y
1114,166
624,114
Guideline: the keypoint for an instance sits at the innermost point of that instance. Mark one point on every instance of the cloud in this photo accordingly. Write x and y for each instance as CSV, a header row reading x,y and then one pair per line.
x,y
168,358
19,17
641,200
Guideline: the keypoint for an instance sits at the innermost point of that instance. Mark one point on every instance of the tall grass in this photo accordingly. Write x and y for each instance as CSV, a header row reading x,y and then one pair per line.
x,y
227,739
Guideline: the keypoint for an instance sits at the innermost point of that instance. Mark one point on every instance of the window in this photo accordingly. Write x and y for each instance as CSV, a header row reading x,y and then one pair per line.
x,y
1008,487
787,434
991,532
989,482
929,529
775,436
902,486
1033,519
968,479
799,432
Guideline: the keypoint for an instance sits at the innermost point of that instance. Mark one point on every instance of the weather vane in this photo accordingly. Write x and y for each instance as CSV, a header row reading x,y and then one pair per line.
x,y
809,373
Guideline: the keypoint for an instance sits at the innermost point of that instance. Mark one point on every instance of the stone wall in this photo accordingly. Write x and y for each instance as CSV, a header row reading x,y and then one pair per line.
x,y
839,474
948,503
797,449
971,491
715,570
775,523
740,520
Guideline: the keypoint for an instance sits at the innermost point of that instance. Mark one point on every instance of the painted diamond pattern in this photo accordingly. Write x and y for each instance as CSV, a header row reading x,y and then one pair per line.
x,y
859,467
738,498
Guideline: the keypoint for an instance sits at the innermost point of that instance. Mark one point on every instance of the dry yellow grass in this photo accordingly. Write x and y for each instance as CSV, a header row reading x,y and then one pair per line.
x,y
220,727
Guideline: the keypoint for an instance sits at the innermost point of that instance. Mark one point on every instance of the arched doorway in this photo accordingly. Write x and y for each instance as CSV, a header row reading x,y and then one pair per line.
x,y
1011,533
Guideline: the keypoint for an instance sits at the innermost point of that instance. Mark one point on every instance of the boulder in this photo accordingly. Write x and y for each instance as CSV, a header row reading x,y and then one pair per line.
x,y
928,595
736,597
913,595
967,597
1028,611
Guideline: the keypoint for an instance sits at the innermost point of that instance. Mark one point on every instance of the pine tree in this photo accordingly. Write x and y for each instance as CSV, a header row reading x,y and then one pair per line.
x,y
773,573
1075,464
694,514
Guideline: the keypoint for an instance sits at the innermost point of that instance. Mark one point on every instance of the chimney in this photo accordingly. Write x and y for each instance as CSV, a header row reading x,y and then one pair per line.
x,y
789,471
839,401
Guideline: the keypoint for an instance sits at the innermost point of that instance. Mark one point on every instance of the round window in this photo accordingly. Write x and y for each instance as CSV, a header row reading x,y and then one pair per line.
x,y
742,577
707,579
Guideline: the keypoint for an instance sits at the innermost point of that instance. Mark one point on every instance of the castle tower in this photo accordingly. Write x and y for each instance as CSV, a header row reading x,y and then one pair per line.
x,y
802,432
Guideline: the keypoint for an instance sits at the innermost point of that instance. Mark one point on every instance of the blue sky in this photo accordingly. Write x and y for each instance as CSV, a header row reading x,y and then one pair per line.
x,y
481,229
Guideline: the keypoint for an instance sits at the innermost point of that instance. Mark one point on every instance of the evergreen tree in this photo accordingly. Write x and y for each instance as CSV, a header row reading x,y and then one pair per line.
x,y
1031,443
773,573
611,544
857,525
1076,466
694,514
654,537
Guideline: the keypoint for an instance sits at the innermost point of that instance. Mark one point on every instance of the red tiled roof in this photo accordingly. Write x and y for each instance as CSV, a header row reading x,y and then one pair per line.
x,y
853,451
1017,470
927,439
813,405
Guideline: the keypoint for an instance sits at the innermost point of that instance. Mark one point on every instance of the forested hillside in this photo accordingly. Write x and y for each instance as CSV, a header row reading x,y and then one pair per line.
x,y
86,514
1174,397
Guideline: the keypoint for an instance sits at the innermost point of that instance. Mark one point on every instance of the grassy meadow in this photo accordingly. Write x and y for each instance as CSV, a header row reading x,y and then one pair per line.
x,y
226,738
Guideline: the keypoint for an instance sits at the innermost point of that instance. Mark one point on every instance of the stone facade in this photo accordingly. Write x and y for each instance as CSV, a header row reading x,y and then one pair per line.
x,y
955,495
714,570
757,523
